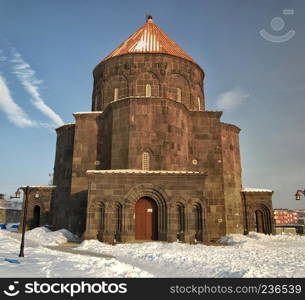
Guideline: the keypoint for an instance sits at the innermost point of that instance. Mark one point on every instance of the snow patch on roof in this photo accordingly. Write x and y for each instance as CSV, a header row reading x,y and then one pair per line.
x,y
135,171
39,186
247,190
88,112
67,124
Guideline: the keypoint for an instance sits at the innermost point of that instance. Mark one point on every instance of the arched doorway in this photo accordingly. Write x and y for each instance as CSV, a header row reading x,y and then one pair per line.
x,y
263,220
259,220
146,219
36,216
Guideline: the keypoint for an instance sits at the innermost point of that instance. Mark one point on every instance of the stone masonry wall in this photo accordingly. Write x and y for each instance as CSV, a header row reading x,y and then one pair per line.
x,y
232,178
62,176
39,196
165,73
167,190
205,154
84,158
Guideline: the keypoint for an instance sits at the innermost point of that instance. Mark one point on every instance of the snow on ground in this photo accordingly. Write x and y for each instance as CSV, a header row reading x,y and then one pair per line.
x,y
42,262
254,255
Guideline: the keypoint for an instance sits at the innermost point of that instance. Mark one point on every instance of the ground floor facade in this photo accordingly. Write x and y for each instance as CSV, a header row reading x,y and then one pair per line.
x,y
122,206
125,206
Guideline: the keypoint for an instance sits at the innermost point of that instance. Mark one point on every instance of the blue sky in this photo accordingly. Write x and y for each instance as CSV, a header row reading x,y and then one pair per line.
x,y
48,50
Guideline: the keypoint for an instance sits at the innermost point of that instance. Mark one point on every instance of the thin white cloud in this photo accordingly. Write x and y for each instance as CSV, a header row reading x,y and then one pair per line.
x,y
13,112
231,99
2,57
26,75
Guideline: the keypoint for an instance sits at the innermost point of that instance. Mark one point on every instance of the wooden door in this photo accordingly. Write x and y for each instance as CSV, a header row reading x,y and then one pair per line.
x,y
146,219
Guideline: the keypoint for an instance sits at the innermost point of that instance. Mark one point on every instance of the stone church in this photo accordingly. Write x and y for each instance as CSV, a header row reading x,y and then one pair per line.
x,y
149,162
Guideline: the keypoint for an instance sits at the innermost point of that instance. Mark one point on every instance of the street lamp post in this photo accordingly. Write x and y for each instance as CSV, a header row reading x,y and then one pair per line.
x,y
26,191
298,194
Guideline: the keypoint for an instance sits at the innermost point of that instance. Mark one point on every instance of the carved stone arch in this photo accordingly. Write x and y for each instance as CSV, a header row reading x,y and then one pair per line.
x,y
146,149
40,203
175,81
201,200
100,219
181,219
263,219
198,217
117,219
156,194
142,80
115,81
156,191
144,152
97,204
154,73
197,100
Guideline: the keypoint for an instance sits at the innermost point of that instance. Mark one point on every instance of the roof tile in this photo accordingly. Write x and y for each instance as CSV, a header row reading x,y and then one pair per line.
x,y
149,39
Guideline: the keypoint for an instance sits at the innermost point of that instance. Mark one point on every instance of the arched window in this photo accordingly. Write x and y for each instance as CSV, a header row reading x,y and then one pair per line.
x,y
179,93
197,212
145,161
118,221
101,222
181,221
199,102
115,94
148,90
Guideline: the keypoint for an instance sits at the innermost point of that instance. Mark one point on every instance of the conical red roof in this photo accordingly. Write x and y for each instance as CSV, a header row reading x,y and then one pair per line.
x,y
149,39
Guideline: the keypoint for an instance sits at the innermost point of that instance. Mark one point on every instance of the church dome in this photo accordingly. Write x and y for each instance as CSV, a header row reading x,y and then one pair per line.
x,y
149,39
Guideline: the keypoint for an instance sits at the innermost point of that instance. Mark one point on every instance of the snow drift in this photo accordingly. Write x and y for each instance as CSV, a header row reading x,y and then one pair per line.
x,y
46,237
254,255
